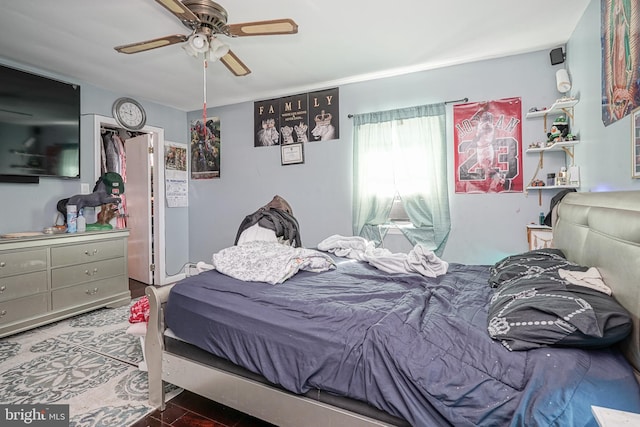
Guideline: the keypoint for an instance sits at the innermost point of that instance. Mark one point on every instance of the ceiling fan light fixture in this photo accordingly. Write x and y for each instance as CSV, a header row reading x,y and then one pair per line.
x,y
190,50
199,43
217,48
206,19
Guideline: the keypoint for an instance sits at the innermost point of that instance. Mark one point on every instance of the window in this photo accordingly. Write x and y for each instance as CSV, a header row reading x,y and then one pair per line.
x,y
400,174
398,212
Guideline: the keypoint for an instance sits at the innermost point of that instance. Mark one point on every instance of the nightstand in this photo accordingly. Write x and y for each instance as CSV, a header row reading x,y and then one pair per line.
x,y
539,236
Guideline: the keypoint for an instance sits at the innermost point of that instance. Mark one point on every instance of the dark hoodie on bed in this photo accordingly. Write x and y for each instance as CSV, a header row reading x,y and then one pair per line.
x,y
276,215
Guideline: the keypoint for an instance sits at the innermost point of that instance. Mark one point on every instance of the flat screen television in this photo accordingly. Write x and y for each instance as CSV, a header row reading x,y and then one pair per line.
x,y
39,127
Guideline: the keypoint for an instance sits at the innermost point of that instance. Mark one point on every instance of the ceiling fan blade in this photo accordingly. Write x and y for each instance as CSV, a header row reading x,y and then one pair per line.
x,y
180,11
151,44
233,63
263,28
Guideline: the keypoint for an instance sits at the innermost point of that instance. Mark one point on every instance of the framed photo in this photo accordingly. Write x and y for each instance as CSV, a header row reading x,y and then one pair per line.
x,y
635,143
292,154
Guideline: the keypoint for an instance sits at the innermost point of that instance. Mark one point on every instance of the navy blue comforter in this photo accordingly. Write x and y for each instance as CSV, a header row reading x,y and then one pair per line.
x,y
415,347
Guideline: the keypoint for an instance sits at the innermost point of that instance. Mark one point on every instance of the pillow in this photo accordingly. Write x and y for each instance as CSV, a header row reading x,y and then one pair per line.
x,y
529,264
539,309
614,321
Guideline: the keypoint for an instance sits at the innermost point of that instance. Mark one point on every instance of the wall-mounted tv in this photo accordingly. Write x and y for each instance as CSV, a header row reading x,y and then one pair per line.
x,y
39,127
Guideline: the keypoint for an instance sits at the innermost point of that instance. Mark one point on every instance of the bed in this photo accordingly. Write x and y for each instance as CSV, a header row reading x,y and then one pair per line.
x,y
355,346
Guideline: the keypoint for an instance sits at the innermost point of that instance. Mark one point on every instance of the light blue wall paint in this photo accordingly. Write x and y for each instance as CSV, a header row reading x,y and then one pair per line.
x,y
605,152
485,227
28,207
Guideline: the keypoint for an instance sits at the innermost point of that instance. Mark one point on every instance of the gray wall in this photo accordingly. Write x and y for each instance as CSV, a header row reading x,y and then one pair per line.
x,y
484,227
605,152
29,207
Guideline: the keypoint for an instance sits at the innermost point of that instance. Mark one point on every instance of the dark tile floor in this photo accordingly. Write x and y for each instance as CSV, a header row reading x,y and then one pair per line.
x,y
191,410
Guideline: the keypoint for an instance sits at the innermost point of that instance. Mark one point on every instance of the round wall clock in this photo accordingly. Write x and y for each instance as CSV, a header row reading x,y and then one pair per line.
x,y
129,113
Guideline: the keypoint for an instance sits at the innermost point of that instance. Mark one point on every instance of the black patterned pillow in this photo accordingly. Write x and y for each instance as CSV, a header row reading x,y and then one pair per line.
x,y
529,264
542,309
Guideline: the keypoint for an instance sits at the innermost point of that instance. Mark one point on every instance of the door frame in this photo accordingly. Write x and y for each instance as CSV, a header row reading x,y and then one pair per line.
x,y
157,137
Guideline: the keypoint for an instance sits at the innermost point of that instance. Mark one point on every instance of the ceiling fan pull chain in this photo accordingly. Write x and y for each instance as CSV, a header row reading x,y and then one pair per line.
x,y
204,97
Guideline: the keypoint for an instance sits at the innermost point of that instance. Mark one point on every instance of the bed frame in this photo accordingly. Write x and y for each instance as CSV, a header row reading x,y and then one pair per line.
x,y
594,229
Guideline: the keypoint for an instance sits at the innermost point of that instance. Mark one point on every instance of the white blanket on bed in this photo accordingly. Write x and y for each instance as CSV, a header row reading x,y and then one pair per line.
x,y
419,260
271,262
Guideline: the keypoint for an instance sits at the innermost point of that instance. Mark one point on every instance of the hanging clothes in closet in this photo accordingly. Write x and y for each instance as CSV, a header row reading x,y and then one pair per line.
x,y
114,159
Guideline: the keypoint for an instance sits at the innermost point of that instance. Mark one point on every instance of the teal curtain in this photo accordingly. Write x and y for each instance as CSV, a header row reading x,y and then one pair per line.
x,y
402,152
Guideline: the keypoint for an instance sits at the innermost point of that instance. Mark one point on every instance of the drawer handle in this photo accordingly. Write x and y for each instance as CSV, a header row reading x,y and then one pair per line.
x,y
3,288
3,313
91,273
92,253
2,264
91,292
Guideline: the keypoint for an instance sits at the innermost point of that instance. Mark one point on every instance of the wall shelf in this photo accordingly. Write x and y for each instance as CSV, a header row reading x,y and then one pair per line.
x,y
561,106
558,107
552,187
557,146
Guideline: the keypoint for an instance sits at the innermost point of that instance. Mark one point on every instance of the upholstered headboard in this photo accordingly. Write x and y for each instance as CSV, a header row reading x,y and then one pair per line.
x,y
603,230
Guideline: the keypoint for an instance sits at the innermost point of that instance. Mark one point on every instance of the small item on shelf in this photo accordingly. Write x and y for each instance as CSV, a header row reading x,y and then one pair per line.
x,y
551,179
537,183
536,109
541,218
562,177
559,130
574,175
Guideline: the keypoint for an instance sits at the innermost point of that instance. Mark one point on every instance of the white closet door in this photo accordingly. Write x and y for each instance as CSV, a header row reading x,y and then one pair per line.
x,y
139,208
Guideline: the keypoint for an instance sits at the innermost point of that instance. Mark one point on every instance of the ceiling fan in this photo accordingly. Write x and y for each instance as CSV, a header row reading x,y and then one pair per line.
x,y
206,19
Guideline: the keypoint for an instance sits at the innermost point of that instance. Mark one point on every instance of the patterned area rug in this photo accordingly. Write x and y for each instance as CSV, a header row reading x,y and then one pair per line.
x,y
88,362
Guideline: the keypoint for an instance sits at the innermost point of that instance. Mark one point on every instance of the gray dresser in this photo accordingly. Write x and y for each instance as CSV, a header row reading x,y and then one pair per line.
x,y
50,277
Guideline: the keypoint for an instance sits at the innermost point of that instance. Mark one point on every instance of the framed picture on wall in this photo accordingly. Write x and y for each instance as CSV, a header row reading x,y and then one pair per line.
x,y
635,143
619,37
292,154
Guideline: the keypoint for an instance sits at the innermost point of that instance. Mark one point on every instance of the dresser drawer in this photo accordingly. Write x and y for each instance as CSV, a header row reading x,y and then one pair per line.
x,y
23,308
87,252
19,262
89,272
88,292
23,285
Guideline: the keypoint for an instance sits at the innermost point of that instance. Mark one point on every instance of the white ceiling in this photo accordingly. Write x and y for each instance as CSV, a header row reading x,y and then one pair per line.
x,y
338,42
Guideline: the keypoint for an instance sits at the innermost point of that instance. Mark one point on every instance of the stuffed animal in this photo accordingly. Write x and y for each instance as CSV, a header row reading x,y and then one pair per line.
x,y
559,130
